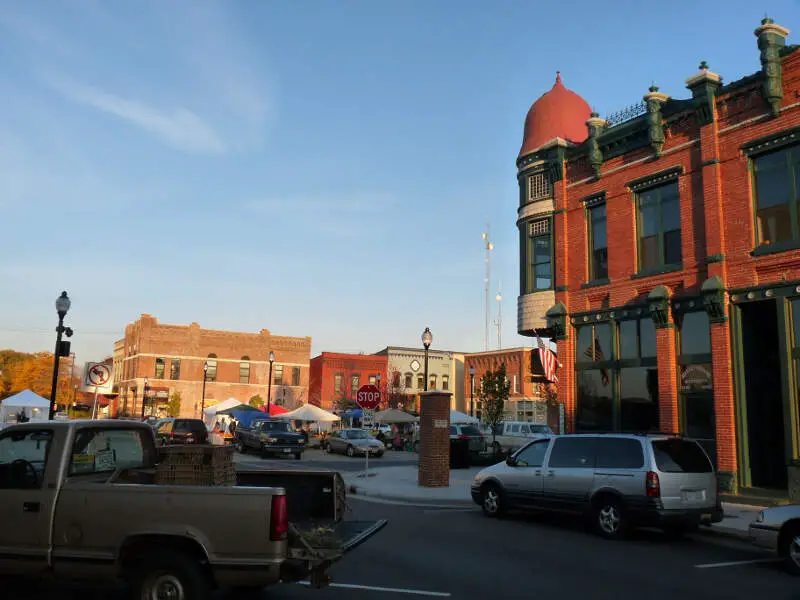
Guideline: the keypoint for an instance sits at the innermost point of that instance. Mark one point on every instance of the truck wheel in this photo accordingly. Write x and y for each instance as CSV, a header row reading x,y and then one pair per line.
x,y
238,446
350,452
174,576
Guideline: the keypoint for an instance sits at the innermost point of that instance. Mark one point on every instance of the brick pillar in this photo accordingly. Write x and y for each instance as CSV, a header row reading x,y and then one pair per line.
x,y
434,439
667,380
724,408
566,378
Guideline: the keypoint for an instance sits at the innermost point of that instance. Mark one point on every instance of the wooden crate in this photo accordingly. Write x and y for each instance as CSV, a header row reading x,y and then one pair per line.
x,y
171,474
195,465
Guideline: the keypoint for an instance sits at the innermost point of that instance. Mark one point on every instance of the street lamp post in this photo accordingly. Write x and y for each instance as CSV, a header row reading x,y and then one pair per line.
x,y
472,391
144,395
380,391
62,307
203,395
269,382
427,339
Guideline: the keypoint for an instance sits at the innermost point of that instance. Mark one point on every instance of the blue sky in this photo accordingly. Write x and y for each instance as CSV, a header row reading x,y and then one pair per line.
x,y
315,167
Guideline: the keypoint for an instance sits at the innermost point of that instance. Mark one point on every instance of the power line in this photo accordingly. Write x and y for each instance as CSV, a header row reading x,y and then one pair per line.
x,y
49,331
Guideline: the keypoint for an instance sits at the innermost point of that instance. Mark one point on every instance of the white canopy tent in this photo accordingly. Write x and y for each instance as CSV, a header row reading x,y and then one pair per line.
x,y
309,412
34,406
210,413
460,418
393,415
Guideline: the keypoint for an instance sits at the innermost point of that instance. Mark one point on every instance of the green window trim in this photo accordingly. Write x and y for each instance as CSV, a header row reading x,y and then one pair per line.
x,y
655,179
596,213
658,196
770,143
770,221
532,259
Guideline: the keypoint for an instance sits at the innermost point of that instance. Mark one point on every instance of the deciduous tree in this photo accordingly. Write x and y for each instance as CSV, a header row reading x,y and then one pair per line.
x,y
174,404
494,392
256,401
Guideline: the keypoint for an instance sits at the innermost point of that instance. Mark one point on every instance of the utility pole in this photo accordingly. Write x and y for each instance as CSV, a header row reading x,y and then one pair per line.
x,y
499,321
488,247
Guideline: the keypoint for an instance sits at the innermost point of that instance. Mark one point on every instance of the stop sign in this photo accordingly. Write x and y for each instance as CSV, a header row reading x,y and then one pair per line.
x,y
368,397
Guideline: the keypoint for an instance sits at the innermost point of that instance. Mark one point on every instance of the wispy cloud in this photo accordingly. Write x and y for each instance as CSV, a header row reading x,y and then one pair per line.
x,y
178,127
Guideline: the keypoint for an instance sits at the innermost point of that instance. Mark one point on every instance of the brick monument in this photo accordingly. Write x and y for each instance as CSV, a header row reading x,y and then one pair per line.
x,y
434,436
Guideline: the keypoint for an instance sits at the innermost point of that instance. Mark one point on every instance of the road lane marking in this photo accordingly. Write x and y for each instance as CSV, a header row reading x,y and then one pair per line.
x,y
736,563
375,588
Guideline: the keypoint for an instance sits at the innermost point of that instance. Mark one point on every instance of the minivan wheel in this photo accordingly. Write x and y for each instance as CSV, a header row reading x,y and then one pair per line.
x,y
790,549
609,518
350,452
492,500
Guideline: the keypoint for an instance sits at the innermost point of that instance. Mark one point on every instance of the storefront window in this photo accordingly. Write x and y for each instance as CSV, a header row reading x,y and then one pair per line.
x,y
639,399
595,401
695,333
696,382
637,339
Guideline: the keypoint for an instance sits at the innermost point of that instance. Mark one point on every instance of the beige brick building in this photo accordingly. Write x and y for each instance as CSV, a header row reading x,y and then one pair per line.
x,y
172,358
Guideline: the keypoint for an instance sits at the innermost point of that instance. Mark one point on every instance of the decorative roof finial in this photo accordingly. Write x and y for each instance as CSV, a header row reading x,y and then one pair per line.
x,y
766,20
653,87
703,66
558,77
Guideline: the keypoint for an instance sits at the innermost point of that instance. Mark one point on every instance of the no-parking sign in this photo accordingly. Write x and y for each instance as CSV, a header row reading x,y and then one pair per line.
x,y
98,377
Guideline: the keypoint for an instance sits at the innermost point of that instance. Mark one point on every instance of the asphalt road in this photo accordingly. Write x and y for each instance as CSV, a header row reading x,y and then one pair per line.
x,y
429,553
317,459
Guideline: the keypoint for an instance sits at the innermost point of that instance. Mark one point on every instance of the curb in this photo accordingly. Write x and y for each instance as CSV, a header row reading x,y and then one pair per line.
x,y
724,531
355,490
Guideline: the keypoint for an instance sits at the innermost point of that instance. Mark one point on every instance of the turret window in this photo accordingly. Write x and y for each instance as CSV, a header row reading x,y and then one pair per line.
x,y
539,187
539,249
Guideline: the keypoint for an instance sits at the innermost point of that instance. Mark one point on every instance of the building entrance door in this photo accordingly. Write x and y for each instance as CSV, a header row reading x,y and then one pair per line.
x,y
764,405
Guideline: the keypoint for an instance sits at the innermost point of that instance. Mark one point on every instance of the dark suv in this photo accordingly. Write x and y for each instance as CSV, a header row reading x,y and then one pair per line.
x,y
181,431
269,437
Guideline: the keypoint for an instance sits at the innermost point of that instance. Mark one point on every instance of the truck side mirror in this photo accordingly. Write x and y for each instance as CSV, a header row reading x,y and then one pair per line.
x,y
511,461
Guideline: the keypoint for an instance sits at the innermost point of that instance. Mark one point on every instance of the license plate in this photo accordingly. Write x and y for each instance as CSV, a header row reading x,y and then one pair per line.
x,y
287,450
705,517
693,496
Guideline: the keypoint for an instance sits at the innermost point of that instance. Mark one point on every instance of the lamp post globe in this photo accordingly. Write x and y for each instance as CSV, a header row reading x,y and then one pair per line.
x,y
427,340
271,358
62,304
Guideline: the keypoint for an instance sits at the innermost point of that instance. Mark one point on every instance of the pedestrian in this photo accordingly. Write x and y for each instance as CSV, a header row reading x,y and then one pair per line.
x,y
232,427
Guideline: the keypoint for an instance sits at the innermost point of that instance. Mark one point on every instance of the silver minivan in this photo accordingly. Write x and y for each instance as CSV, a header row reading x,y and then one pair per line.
x,y
617,480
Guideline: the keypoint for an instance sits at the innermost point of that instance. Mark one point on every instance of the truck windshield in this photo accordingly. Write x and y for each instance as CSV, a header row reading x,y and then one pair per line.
x,y
106,450
276,426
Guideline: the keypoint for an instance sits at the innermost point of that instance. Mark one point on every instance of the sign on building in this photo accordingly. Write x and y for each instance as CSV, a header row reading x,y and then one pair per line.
x,y
98,377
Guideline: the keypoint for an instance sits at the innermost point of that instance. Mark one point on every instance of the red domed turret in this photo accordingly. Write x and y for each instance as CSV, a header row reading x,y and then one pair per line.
x,y
558,113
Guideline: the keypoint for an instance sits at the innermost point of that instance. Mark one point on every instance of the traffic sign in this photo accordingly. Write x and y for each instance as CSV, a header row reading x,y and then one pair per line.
x,y
368,397
98,377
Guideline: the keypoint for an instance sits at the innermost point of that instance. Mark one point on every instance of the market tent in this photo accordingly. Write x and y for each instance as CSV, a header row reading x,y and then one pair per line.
x,y
309,412
238,408
34,406
247,417
393,415
461,418
210,413
274,410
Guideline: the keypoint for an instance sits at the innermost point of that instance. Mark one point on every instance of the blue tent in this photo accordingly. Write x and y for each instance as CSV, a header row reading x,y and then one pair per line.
x,y
353,413
246,417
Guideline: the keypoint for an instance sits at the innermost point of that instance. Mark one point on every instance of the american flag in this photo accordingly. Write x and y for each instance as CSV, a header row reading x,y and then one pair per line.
x,y
596,354
548,361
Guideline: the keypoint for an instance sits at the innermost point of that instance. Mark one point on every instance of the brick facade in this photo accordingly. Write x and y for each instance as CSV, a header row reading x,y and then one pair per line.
x,y
327,366
524,374
242,366
709,144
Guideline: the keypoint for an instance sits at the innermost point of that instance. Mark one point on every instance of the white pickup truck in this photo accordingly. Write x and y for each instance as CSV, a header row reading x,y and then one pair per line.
x,y
78,500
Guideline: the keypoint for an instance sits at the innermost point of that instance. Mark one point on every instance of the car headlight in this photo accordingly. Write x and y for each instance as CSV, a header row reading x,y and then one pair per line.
x,y
272,440
760,517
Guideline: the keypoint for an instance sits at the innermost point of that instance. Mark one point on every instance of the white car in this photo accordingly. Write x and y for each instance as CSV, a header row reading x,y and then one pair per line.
x,y
778,529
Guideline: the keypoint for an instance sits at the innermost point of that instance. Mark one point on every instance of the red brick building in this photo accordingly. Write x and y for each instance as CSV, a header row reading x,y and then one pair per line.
x,y
527,396
335,377
172,358
660,247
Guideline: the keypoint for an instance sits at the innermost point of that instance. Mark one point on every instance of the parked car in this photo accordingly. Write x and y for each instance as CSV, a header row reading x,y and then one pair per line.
x,y
182,431
512,435
270,437
78,499
469,432
778,530
617,480
353,442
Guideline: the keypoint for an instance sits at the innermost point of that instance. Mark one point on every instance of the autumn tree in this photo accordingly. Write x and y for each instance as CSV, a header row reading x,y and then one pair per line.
x,y
394,389
256,401
495,388
174,404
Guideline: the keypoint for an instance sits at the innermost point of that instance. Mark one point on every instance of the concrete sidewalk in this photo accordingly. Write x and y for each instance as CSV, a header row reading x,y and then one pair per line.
x,y
399,484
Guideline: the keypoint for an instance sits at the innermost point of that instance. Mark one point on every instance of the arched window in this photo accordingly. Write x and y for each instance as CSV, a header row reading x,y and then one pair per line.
x,y
432,385
445,382
211,374
244,370
420,382
409,381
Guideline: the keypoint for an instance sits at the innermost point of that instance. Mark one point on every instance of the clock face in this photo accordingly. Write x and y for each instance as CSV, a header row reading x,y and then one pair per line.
x,y
415,365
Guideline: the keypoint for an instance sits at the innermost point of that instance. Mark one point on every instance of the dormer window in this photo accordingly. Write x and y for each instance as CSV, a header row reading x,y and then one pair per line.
x,y
539,187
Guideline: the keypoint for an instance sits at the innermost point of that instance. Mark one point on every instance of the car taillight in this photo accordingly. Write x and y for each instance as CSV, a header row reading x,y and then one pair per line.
x,y
172,435
279,519
652,485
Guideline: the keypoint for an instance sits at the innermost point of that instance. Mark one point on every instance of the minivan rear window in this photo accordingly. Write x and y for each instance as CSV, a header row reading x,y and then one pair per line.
x,y
470,430
680,456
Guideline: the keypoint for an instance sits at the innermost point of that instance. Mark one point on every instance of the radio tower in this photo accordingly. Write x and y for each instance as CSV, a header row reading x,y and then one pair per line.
x,y
499,320
488,247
